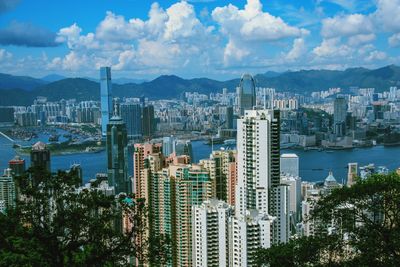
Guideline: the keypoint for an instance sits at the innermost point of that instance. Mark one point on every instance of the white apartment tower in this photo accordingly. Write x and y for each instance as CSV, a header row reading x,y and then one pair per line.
x,y
258,172
210,233
258,160
247,234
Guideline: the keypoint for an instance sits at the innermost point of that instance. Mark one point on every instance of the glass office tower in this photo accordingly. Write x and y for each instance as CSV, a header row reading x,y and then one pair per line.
x,y
106,98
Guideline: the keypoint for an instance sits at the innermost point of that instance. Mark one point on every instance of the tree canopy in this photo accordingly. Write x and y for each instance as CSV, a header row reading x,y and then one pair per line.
x,y
364,229
54,225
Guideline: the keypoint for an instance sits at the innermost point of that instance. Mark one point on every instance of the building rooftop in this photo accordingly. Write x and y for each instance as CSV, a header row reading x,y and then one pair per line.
x,y
292,155
39,146
330,178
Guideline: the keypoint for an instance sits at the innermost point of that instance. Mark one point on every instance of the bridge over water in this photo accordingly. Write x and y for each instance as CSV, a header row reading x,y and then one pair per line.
x,y
7,137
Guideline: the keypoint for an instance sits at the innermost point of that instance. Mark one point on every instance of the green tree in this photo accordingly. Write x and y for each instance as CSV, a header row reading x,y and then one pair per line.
x,y
53,225
365,229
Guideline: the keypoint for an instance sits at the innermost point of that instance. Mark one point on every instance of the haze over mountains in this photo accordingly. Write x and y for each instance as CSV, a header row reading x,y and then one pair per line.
x,y
22,90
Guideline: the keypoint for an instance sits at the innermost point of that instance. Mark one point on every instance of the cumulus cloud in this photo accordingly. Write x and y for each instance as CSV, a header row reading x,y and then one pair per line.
x,y
27,34
346,25
227,39
387,14
252,24
6,5
332,48
251,30
298,49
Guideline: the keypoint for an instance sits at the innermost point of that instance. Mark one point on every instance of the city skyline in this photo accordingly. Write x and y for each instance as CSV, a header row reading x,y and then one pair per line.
x,y
144,39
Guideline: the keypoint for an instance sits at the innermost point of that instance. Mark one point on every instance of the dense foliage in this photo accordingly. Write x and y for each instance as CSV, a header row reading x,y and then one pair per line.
x,y
53,225
364,229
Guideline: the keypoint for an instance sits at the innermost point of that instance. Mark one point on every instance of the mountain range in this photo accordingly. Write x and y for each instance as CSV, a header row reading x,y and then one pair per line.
x,y
22,90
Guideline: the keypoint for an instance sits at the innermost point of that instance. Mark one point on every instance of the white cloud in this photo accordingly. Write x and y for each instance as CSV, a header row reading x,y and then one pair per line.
x,y
387,14
376,56
349,25
332,48
250,31
360,39
116,28
228,39
252,24
394,40
298,49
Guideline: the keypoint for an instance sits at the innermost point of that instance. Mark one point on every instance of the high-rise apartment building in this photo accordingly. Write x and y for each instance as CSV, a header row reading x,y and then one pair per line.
x,y
191,186
117,156
259,186
40,156
105,98
247,93
210,233
258,160
142,169
247,234
218,166
17,166
7,190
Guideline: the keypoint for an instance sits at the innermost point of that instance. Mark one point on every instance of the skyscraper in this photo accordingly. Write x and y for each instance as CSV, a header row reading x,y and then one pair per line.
x,y
247,234
247,93
210,233
290,164
40,156
259,186
17,166
131,114
106,98
168,145
148,121
218,166
142,170
339,115
117,155
7,191
192,186
258,159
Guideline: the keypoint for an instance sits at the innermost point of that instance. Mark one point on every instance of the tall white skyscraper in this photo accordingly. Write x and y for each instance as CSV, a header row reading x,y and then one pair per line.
x,y
105,98
259,189
290,164
258,160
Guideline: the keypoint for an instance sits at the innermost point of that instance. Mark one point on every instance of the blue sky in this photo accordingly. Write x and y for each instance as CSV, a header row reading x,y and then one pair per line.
x,y
218,39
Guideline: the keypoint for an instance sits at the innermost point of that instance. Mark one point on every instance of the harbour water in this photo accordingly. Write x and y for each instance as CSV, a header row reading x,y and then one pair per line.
x,y
314,165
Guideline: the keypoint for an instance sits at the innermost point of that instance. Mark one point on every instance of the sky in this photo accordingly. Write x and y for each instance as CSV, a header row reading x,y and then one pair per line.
x,y
218,39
